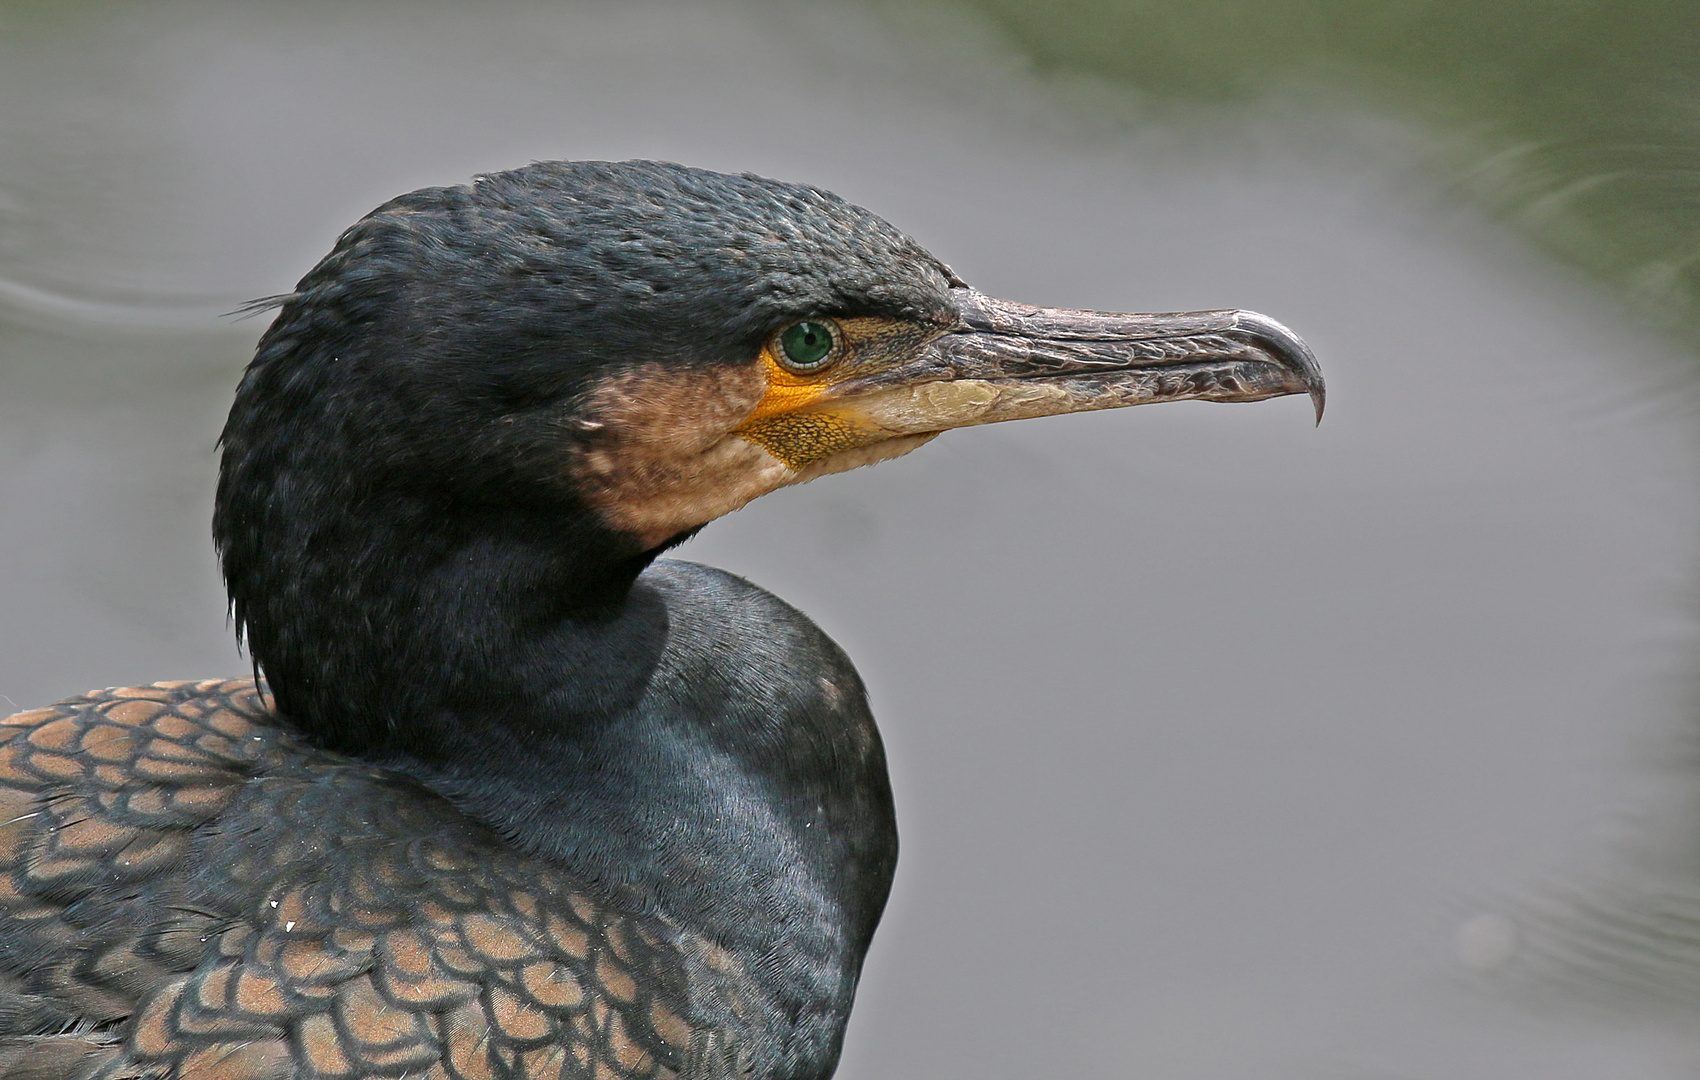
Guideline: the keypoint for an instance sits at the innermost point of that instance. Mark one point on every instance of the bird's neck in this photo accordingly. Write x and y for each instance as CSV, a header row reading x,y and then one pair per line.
x,y
597,718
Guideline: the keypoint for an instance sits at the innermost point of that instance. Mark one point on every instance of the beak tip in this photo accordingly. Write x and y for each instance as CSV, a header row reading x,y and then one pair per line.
x,y
1290,350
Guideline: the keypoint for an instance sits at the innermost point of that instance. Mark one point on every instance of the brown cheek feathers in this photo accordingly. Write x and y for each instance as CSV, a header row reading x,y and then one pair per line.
x,y
666,460
681,448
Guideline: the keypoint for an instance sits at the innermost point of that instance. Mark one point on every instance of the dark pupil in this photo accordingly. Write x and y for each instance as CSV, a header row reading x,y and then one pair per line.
x,y
806,343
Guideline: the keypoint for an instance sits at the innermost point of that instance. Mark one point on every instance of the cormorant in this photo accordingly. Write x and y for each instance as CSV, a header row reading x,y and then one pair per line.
x,y
515,799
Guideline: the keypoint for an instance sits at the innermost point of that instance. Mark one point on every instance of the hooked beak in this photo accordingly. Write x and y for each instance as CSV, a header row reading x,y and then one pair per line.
x,y
1008,361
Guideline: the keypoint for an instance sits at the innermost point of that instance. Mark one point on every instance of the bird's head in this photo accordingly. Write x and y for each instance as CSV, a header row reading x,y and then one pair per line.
x,y
660,345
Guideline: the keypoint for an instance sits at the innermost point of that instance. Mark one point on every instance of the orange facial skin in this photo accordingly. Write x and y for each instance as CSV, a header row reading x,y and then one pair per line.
x,y
795,422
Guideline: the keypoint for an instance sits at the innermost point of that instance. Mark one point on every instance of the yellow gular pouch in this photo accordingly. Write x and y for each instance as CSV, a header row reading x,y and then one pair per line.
x,y
798,420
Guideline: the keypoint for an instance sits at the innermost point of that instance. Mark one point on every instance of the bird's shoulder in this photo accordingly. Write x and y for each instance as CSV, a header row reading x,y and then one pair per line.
x,y
736,641
188,890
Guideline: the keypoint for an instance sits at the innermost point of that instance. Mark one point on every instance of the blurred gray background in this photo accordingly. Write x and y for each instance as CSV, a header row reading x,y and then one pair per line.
x,y
1224,747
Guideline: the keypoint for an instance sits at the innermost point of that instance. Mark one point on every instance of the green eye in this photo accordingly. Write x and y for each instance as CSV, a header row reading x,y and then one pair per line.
x,y
806,345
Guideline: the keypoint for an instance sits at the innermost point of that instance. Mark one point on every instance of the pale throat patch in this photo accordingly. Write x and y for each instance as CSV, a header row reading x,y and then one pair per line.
x,y
672,456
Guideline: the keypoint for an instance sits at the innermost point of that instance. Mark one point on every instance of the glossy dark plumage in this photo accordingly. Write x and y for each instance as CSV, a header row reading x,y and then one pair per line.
x,y
530,803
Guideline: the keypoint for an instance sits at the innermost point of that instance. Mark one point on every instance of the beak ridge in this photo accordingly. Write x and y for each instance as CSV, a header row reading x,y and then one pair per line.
x,y
1009,361
1097,360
